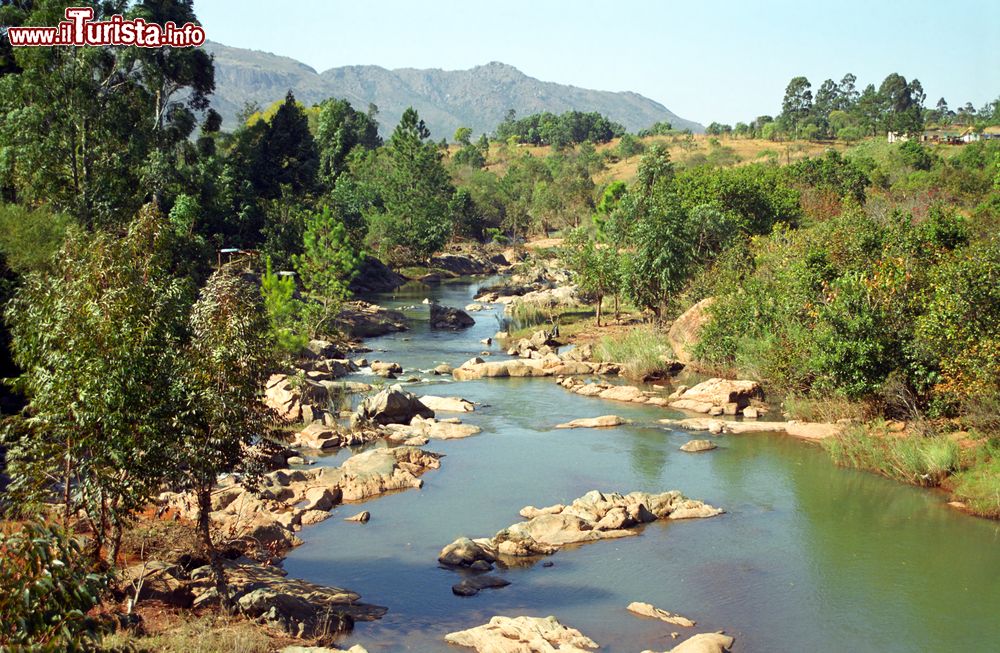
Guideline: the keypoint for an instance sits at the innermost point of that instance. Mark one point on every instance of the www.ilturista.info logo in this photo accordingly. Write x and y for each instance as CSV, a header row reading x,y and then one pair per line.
x,y
79,28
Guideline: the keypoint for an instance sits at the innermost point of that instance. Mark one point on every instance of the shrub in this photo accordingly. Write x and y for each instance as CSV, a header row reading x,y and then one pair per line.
x,y
46,591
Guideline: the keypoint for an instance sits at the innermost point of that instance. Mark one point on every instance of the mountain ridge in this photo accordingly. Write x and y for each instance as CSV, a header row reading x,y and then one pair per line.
x,y
478,97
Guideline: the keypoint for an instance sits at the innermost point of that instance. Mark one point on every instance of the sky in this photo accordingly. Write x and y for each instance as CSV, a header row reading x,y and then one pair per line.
x,y
705,60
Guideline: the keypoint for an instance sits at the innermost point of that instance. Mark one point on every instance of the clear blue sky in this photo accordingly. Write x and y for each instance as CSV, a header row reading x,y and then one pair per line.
x,y
704,60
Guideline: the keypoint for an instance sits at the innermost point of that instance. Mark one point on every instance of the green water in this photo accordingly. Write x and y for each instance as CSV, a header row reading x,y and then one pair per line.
x,y
808,557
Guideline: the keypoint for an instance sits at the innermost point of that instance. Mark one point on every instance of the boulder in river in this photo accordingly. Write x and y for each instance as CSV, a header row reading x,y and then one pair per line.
x,y
447,404
474,584
703,643
696,446
730,396
522,635
465,552
446,317
390,406
648,610
604,421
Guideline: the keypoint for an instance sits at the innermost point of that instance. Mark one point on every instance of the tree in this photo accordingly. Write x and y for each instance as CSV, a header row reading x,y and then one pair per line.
x,y
222,415
78,124
629,146
326,267
415,191
797,104
284,313
462,136
595,267
340,128
291,153
97,339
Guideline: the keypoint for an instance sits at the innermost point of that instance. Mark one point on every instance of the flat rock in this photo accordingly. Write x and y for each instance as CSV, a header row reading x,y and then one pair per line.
x,y
648,610
593,422
447,404
361,517
523,635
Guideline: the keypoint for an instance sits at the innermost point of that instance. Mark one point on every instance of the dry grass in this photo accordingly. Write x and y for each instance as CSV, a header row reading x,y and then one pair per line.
x,y
681,152
171,631
826,409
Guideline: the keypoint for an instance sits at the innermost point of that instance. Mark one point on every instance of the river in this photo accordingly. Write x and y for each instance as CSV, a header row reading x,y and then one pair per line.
x,y
808,557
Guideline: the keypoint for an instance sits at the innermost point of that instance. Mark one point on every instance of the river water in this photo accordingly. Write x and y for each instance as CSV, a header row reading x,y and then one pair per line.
x,y
808,557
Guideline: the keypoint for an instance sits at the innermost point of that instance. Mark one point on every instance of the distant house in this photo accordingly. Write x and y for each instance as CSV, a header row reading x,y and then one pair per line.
x,y
959,134
898,137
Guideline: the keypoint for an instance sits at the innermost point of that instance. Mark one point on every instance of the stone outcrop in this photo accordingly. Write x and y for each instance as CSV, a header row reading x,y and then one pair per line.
x,y
717,396
539,345
289,499
604,421
430,428
363,320
625,393
550,365
375,276
594,516
390,406
685,332
447,317
648,610
523,635
804,430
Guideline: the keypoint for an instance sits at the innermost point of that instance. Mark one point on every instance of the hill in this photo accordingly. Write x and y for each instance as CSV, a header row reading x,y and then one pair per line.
x,y
446,99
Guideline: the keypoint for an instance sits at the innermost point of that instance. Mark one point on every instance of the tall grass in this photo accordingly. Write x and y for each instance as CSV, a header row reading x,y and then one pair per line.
x,y
641,351
205,634
918,460
979,487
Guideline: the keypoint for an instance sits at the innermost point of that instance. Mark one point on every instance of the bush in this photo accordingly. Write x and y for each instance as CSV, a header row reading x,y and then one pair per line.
x,y
30,238
46,591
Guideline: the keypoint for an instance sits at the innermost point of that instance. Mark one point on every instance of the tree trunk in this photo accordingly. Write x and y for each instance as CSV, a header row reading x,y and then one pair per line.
x,y
204,508
600,301
617,311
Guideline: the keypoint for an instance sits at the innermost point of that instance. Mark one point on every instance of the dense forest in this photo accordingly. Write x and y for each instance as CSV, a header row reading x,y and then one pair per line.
x,y
861,282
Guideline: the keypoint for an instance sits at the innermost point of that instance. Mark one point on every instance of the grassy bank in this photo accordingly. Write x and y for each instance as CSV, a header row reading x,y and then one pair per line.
x,y
965,464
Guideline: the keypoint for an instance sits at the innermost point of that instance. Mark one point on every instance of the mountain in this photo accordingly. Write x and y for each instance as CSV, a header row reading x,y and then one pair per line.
x,y
446,99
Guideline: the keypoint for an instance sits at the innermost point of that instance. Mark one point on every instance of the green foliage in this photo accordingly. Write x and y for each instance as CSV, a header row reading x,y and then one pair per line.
x,y
97,339
755,196
341,128
656,129
46,590
629,146
596,267
413,219
326,267
30,238
915,155
569,128
283,313
832,172
72,138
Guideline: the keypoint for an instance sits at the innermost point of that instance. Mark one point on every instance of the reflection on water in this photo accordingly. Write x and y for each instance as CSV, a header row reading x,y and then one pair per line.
x,y
809,557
